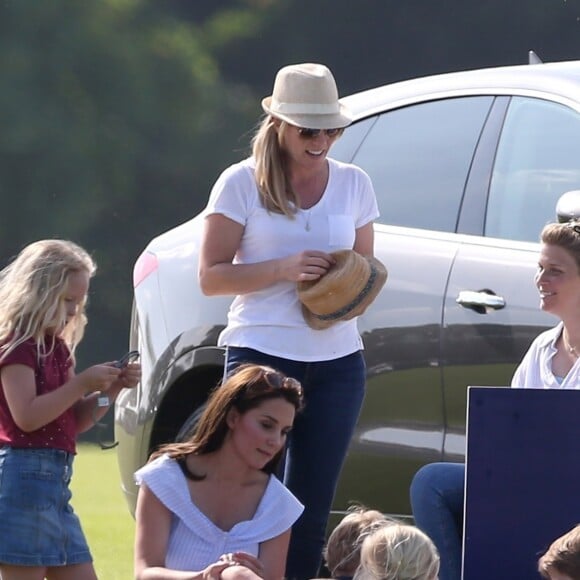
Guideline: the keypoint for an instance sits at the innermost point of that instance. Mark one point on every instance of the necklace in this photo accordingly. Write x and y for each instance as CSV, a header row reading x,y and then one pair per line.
x,y
571,349
307,218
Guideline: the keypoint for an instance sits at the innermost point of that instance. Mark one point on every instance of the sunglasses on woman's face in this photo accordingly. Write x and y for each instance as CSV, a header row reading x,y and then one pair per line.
x,y
313,133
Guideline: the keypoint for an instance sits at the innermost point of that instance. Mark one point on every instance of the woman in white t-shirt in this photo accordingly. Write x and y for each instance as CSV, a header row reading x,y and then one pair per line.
x,y
211,507
551,362
273,220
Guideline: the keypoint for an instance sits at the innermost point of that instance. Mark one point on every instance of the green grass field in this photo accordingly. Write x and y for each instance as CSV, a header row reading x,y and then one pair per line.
x,y
99,502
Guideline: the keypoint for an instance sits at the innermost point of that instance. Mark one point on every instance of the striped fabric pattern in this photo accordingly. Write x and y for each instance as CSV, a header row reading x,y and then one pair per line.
x,y
195,541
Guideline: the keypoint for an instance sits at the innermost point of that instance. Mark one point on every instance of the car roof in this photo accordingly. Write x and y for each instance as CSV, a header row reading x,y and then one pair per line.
x,y
558,81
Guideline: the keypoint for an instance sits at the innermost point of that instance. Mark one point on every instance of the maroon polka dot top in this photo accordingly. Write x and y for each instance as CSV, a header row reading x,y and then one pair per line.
x,y
51,372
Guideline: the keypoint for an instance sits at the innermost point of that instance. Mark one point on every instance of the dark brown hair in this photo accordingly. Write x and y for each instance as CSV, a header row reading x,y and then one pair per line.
x,y
245,389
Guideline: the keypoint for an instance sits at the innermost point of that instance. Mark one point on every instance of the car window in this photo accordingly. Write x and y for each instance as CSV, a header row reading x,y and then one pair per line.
x,y
345,148
538,159
419,158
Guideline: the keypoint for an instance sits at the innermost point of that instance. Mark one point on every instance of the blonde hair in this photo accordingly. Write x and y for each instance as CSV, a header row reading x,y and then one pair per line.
x,y
342,551
562,556
275,191
398,552
270,170
565,235
32,291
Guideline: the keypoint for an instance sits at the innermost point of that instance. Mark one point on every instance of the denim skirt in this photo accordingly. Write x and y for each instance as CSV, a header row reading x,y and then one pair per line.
x,y
38,526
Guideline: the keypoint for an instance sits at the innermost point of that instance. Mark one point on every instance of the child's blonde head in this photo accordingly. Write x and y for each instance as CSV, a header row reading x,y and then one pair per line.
x,y
398,552
32,293
342,551
563,556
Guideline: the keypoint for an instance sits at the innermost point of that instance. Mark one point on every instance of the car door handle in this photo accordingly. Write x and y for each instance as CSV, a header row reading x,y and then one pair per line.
x,y
482,301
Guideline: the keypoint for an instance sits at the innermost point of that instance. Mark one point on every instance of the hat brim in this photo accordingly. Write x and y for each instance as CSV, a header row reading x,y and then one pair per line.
x,y
318,323
338,120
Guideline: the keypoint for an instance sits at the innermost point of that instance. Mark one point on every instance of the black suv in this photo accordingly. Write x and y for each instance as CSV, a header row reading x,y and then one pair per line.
x,y
467,168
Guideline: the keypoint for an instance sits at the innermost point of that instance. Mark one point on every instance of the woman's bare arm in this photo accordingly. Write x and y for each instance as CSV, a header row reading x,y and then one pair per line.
x,y
151,541
273,554
218,275
365,240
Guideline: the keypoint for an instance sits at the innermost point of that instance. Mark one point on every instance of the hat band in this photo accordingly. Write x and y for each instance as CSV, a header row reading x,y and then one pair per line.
x,y
304,108
351,305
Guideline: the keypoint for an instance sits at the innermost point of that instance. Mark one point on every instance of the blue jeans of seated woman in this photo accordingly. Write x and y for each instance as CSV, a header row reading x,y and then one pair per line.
x,y
437,502
333,395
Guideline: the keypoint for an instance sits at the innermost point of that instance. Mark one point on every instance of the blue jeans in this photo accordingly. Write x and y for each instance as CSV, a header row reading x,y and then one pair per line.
x,y
333,394
38,526
437,503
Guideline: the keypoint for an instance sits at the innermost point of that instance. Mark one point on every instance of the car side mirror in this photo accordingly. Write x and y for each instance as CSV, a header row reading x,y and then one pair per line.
x,y
568,206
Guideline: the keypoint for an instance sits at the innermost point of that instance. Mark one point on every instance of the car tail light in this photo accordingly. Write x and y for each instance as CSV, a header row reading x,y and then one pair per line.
x,y
146,264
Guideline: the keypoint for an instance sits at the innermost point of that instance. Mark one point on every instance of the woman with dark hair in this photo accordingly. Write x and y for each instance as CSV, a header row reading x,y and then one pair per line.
x,y
211,506
552,362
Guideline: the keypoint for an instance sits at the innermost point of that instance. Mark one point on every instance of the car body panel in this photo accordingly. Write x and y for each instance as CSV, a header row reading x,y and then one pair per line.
x,y
498,337
552,81
423,347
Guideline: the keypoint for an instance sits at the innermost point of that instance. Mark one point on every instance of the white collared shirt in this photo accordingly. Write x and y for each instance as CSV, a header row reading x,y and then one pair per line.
x,y
535,370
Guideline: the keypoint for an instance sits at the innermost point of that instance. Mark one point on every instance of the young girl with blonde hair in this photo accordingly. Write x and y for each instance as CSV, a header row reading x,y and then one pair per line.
x,y
398,552
43,406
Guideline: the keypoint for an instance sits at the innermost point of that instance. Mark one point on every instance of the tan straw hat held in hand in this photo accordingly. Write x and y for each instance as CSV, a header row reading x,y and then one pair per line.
x,y
345,291
305,95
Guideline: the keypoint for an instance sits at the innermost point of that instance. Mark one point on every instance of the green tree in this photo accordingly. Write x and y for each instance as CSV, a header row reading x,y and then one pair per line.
x,y
114,115
372,42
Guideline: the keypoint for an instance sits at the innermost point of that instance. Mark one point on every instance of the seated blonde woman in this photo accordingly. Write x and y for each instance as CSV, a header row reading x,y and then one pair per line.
x,y
398,552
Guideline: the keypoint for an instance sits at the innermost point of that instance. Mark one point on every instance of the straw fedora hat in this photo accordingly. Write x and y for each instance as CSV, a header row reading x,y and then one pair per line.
x,y
345,291
305,95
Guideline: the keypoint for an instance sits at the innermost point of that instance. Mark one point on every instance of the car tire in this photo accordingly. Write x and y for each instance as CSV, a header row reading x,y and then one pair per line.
x,y
188,428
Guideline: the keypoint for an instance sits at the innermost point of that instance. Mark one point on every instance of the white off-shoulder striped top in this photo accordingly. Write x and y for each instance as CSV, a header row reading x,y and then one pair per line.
x,y
195,541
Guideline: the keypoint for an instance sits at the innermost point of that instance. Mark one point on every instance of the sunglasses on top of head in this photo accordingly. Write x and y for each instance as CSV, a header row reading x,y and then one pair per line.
x,y
306,133
277,381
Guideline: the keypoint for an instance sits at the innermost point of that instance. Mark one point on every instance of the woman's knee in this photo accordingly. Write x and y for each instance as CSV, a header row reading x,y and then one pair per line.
x,y
426,478
437,479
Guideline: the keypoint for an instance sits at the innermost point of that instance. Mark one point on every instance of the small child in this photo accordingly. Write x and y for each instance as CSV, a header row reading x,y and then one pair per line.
x,y
342,551
43,406
562,559
398,552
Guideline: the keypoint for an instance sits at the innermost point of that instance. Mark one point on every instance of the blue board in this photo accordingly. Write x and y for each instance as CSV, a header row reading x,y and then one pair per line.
x,y
522,481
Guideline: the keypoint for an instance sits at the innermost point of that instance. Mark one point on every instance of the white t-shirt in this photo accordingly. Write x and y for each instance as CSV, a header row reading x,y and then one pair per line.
x,y
195,541
535,370
270,320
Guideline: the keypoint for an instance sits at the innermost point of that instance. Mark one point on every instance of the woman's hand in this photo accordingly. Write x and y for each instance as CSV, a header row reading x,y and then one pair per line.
x,y
306,266
214,571
247,561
